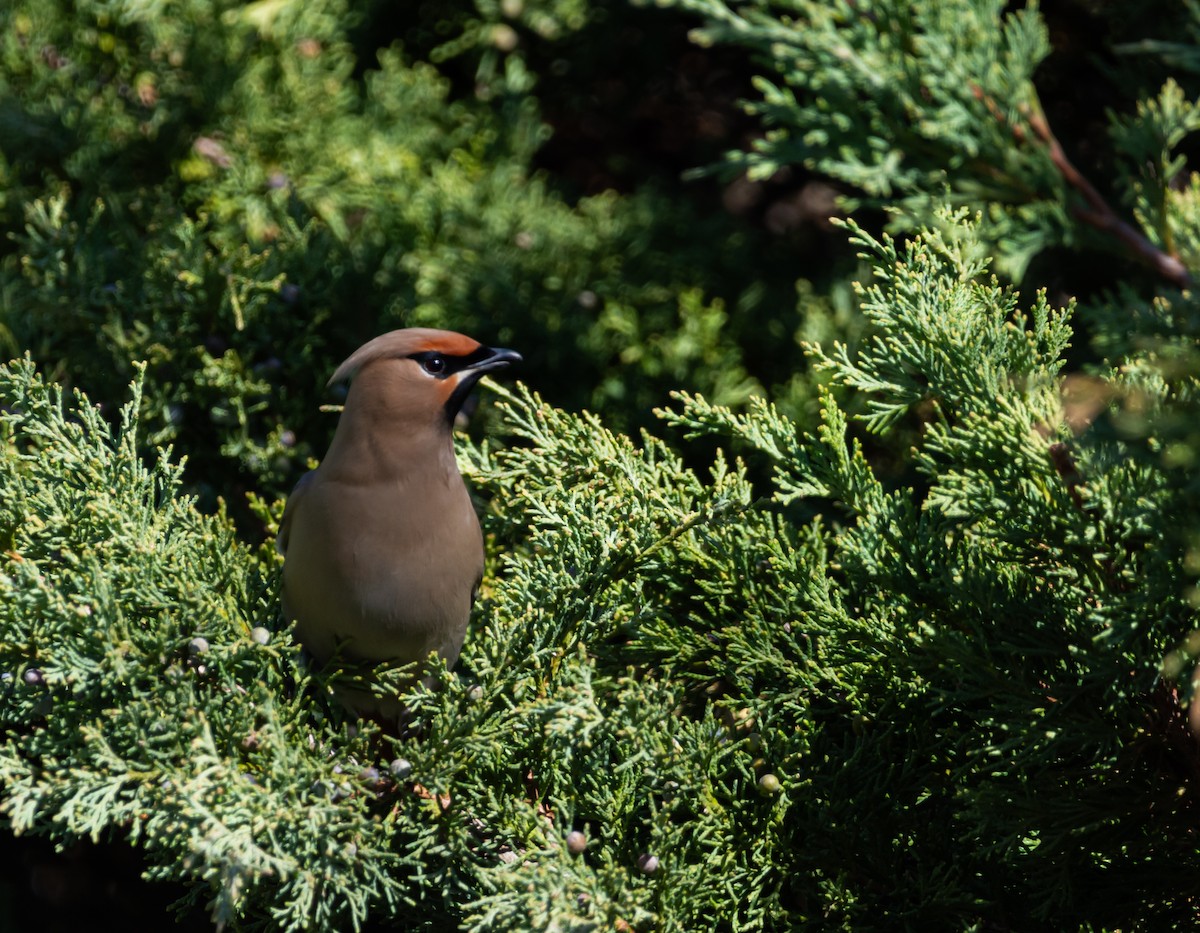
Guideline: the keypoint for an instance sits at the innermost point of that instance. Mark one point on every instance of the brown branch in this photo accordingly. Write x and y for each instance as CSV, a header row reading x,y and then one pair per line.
x,y
1102,217
1097,213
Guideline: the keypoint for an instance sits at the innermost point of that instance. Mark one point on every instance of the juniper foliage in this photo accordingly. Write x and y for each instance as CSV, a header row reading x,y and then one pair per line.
x,y
918,105
215,188
937,705
799,688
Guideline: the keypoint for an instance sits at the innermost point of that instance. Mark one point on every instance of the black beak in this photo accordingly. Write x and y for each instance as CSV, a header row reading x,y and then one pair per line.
x,y
489,358
497,358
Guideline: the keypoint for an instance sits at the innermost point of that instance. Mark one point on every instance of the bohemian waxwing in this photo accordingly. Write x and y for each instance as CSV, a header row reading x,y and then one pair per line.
x,y
382,548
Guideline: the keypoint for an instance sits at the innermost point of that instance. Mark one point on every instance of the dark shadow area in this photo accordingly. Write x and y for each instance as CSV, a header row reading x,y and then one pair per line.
x,y
92,887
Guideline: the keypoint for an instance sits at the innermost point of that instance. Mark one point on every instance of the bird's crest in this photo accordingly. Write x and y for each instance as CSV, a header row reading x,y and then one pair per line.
x,y
400,343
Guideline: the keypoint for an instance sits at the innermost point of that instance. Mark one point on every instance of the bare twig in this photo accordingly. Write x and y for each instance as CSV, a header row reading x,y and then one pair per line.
x,y
1102,217
1097,212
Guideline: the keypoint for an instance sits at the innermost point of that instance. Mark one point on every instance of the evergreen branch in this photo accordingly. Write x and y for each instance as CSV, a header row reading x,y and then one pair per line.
x,y
1101,216
908,692
1098,213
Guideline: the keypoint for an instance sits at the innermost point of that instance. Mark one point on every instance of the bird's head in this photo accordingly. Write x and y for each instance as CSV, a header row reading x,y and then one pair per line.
x,y
418,372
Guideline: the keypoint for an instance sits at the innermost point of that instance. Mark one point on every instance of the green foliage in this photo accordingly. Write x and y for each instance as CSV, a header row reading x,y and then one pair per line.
x,y
236,204
913,649
255,799
912,104
935,706
967,357
1018,607
919,105
136,697
1151,164
494,28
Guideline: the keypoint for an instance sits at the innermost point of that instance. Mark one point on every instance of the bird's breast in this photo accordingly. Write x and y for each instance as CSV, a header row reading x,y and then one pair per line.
x,y
384,570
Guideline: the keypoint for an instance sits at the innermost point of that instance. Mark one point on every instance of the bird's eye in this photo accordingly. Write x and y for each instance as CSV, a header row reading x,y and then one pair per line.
x,y
434,365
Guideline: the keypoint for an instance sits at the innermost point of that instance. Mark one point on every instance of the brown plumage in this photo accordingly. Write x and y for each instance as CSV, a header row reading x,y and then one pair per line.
x,y
382,548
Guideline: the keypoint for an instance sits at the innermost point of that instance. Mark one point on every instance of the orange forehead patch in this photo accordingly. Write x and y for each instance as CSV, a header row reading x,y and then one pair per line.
x,y
445,341
405,342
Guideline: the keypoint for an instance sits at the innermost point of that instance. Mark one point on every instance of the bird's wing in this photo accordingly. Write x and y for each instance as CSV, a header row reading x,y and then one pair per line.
x,y
289,510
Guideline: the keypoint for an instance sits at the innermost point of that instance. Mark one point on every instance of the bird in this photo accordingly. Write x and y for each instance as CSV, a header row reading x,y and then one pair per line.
x,y
382,549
